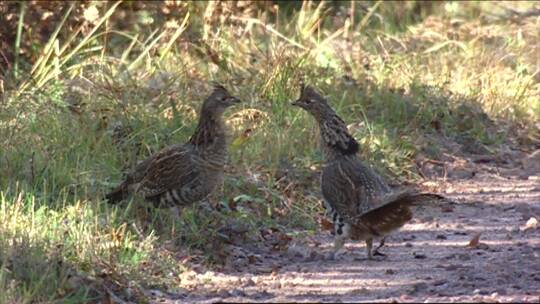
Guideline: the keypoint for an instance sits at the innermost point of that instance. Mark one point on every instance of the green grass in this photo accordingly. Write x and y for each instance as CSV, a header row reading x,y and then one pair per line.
x,y
420,74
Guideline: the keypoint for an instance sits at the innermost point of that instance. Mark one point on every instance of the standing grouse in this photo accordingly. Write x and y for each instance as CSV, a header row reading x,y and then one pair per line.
x,y
362,206
183,174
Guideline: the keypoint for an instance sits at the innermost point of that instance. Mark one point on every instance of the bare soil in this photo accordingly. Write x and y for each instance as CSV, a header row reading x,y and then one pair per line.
x,y
481,246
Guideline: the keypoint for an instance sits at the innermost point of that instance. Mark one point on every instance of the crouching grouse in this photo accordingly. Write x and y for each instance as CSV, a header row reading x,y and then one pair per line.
x,y
362,206
183,174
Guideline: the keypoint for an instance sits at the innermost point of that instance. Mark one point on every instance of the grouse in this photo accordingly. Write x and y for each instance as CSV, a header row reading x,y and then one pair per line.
x,y
183,174
361,204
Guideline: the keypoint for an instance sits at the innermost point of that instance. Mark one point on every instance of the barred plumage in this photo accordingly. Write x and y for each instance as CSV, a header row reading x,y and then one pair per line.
x,y
183,174
360,203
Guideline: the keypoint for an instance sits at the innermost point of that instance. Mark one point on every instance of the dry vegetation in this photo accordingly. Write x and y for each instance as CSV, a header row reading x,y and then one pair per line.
x,y
89,88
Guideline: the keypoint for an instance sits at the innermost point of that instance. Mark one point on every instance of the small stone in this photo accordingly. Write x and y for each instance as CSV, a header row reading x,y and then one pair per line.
x,y
531,224
329,256
464,257
156,293
390,271
419,287
441,237
237,293
501,292
479,278
249,282
314,256
419,255
494,249
359,291
450,256
428,219
408,245
298,251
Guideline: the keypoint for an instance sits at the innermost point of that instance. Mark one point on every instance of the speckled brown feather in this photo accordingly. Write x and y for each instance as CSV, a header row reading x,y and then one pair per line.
x,y
184,173
361,203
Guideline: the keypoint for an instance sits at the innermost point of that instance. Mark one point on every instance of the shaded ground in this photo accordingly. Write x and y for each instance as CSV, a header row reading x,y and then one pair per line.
x,y
430,259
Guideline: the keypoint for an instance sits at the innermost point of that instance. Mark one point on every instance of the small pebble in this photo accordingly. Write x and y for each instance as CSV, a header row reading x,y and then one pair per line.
x,y
237,293
439,282
501,292
464,257
419,287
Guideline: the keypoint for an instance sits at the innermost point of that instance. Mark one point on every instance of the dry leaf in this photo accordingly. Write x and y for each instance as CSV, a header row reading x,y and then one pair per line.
x,y
240,140
531,224
475,240
326,224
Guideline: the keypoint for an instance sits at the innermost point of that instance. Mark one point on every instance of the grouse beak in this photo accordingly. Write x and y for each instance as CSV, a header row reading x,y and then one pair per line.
x,y
295,103
234,100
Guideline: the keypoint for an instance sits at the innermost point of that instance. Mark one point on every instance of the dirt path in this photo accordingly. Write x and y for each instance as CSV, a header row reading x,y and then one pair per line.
x,y
429,259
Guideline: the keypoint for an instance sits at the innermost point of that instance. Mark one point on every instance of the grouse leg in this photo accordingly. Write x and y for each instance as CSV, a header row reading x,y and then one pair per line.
x,y
381,244
339,241
369,246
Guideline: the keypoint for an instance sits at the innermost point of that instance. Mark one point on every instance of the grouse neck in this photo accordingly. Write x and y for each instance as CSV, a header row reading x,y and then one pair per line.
x,y
336,140
209,132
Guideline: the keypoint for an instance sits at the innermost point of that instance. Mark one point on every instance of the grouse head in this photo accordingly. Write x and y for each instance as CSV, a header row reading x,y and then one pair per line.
x,y
313,102
219,100
334,132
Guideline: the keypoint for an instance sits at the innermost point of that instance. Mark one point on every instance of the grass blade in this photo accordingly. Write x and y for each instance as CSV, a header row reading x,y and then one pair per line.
x,y
365,20
18,39
175,36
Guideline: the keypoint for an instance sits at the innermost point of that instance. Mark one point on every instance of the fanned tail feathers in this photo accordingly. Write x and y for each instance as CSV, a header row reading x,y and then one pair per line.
x,y
394,211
